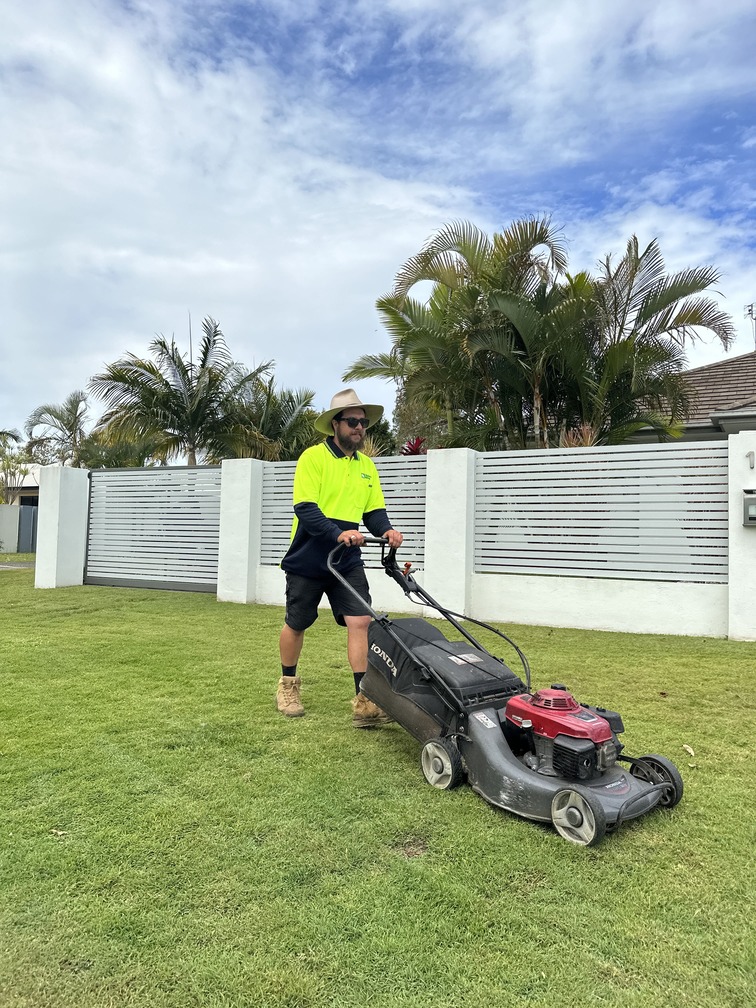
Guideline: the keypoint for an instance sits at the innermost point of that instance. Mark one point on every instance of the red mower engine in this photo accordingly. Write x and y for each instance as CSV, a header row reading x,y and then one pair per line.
x,y
559,737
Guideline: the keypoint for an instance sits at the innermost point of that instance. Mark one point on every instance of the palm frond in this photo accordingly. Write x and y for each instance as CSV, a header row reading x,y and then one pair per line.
x,y
383,365
449,257
529,244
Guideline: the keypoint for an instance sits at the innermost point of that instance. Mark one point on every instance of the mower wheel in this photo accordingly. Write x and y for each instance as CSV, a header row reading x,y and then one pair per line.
x,y
442,764
578,816
659,770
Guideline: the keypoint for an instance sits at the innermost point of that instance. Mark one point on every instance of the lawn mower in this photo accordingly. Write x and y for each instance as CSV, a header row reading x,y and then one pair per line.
x,y
539,754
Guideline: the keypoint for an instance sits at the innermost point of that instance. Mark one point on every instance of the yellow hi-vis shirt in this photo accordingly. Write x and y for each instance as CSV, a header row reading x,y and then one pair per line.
x,y
344,488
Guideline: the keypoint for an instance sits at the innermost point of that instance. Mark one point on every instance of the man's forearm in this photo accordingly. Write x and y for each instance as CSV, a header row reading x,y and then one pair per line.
x,y
313,521
377,522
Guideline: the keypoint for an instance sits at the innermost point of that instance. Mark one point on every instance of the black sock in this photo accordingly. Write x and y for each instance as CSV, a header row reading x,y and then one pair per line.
x,y
289,670
357,680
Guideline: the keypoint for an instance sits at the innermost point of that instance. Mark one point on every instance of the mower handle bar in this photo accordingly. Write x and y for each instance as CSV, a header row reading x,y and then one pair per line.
x,y
410,587
388,561
388,553
373,541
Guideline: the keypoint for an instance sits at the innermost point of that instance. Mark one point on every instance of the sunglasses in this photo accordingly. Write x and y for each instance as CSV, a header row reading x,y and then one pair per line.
x,y
354,422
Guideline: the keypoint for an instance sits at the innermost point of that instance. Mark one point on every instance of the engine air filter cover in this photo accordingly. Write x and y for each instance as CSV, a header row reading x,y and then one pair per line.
x,y
555,699
554,712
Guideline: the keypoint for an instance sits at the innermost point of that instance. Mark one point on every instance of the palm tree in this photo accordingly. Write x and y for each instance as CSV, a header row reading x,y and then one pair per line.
x,y
604,356
644,319
513,350
456,353
636,297
14,465
284,419
540,337
638,386
56,432
428,357
185,407
100,451
460,255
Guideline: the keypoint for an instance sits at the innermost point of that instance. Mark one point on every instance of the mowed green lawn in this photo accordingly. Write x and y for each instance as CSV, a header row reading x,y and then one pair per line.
x,y
167,839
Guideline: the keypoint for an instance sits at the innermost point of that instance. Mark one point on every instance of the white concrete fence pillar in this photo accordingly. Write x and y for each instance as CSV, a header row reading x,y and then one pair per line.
x,y
449,527
62,526
742,540
240,529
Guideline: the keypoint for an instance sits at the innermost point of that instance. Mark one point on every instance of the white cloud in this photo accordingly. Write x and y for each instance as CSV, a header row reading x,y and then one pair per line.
x,y
273,165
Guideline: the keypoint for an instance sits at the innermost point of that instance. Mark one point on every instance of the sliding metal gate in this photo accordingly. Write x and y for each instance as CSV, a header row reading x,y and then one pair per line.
x,y
154,528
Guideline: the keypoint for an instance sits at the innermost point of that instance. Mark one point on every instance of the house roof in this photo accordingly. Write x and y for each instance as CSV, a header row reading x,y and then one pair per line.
x,y
723,388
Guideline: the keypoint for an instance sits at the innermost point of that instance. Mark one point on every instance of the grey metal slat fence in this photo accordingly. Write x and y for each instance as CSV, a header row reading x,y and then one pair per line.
x,y
403,480
651,512
154,528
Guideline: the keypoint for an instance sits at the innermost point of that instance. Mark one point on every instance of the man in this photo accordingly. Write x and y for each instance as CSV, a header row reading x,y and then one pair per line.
x,y
336,487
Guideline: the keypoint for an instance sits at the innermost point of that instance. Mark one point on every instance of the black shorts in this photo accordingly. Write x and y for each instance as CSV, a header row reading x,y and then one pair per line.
x,y
303,595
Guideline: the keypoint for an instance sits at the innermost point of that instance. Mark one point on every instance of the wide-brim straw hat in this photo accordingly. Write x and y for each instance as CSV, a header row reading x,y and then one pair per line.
x,y
341,401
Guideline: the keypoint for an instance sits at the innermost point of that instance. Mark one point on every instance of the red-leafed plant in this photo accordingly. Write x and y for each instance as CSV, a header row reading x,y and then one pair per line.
x,y
414,446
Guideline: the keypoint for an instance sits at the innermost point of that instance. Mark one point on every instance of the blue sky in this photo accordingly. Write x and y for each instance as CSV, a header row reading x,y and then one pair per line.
x,y
272,164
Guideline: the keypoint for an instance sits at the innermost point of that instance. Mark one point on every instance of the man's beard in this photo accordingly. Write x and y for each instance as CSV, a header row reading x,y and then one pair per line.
x,y
347,445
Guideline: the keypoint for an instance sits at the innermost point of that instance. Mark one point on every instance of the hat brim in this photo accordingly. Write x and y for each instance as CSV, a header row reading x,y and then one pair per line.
x,y
372,412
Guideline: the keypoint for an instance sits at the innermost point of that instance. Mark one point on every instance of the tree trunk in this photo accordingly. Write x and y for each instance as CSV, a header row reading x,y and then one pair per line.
x,y
537,417
449,419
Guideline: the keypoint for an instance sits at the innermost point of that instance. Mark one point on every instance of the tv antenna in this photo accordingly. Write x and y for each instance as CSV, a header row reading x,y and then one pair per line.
x,y
750,312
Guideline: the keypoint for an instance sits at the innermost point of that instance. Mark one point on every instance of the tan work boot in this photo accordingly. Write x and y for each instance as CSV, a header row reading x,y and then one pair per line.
x,y
288,700
365,714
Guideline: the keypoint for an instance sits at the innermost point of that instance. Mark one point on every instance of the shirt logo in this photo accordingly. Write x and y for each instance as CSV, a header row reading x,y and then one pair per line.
x,y
365,475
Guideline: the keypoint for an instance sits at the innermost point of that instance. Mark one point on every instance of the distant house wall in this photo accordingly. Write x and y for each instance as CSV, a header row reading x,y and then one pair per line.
x,y
26,493
18,528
